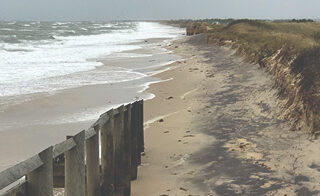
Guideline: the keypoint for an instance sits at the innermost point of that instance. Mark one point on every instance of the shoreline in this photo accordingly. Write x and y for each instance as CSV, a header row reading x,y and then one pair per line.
x,y
148,49
46,118
214,127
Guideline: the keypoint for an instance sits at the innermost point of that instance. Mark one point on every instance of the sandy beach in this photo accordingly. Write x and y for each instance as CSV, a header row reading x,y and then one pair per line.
x,y
31,123
159,98
214,128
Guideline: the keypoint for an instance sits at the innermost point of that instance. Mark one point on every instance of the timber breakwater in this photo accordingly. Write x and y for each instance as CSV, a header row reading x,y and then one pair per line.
x,y
102,160
290,51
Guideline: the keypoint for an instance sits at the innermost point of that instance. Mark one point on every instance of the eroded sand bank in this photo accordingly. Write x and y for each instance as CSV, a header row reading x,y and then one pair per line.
x,y
214,129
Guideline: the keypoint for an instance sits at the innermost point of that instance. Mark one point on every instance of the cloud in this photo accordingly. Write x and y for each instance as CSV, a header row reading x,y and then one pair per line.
x,y
151,9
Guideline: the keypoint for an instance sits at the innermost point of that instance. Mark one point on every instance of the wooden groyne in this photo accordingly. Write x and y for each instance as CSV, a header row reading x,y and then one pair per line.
x,y
99,161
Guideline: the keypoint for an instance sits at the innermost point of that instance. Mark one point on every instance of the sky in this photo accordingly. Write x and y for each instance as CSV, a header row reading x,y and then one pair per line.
x,y
105,10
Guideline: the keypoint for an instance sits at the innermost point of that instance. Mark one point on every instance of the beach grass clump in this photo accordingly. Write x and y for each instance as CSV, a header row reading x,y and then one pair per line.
x,y
307,63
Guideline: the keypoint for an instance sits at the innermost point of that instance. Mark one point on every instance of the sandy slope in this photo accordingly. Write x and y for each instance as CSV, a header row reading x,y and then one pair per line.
x,y
214,129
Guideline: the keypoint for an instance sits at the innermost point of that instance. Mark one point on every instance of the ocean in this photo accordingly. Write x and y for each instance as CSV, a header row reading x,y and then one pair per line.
x,y
57,78
40,57
71,72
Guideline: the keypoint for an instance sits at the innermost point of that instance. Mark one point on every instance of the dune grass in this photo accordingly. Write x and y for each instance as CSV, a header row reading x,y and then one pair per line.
x,y
262,39
299,42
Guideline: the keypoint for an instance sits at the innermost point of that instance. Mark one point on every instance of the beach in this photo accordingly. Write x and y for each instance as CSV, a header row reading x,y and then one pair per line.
x,y
212,122
215,128
33,122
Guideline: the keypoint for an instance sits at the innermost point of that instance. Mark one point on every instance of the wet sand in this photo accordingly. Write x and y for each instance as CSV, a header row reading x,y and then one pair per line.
x,y
214,128
27,127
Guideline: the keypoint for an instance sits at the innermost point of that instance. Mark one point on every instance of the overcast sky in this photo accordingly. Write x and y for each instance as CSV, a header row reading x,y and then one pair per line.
x,y
156,9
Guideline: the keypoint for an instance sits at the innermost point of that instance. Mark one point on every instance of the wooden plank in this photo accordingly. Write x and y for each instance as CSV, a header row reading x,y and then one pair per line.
x,y
126,157
90,133
40,181
141,126
140,130
119,184
93,165
107,155
18,190
119,109
134,142
75,167
63,147
104,118
14,173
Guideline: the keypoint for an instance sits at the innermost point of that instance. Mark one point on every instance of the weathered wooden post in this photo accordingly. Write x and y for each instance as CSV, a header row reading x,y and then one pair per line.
x,y
140,130
126,171
120,180
93,164
107,155
75,167
40,181
134,142
142,124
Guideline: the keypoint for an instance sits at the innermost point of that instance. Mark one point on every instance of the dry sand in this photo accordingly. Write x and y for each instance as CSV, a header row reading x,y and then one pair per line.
x,y
214,129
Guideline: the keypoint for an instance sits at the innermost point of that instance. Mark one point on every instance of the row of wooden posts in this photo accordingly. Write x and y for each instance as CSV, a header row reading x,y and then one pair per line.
x,y
99,161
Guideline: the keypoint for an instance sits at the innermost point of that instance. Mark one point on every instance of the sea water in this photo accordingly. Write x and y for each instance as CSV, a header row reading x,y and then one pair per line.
x,y
48,56
40,60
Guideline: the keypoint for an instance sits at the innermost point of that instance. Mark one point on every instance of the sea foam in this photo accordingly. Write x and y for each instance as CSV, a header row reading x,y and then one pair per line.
x,y
58,57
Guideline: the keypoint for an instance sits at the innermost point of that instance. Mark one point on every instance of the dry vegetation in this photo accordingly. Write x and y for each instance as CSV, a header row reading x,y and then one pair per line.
x,y
288,50
264,38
